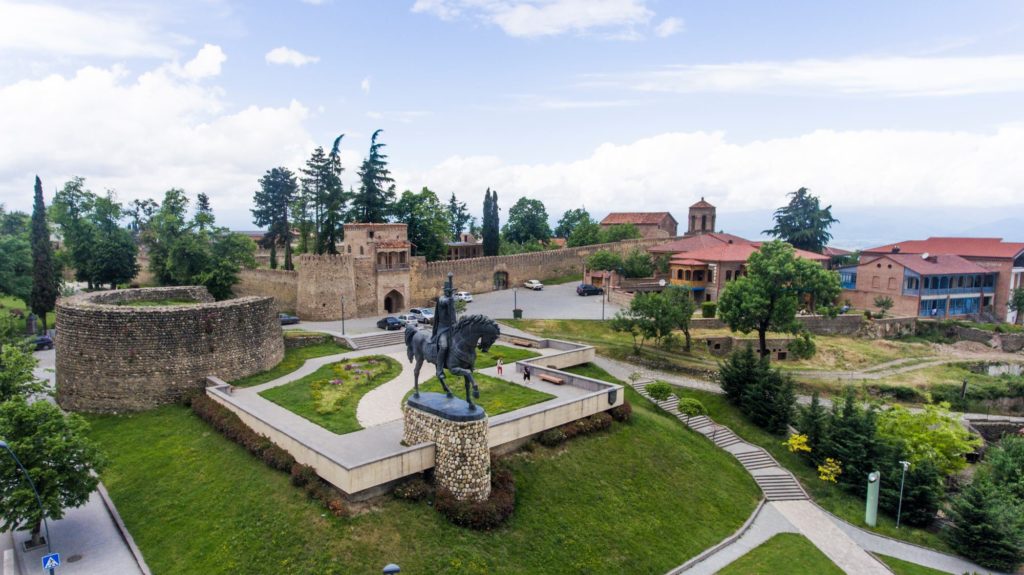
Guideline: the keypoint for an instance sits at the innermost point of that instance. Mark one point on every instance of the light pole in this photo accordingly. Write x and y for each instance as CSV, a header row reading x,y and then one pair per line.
x,y
899,508
42,511
342,314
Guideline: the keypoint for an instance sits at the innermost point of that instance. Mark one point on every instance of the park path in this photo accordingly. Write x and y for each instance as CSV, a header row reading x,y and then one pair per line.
x,y
787,507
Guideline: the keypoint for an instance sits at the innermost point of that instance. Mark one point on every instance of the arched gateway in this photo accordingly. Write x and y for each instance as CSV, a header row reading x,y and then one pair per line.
x,y
394,302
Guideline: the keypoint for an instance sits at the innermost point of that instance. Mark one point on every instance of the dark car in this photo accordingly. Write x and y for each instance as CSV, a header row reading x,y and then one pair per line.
x,y
390,323
588,289
287,319
42,342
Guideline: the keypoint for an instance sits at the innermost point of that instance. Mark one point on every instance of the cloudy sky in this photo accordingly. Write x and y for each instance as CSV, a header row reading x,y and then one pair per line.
x,y
897,113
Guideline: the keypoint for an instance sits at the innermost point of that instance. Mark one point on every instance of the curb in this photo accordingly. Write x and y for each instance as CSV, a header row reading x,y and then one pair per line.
x,y
710,551
123,530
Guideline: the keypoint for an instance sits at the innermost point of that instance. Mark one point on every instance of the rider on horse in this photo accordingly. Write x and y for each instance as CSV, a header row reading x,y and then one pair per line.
x,y
444,320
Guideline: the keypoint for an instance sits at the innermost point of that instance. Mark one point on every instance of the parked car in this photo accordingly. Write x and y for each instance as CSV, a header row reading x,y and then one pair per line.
x,y
588,289
535,285
287,319
42,342
422,314
390,323
408,319
464,296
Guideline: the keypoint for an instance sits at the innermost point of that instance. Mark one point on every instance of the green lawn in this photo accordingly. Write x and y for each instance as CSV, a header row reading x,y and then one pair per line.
x,y
293,359
8,303
496,395
509,354
901,567
563,279
330,395
785,553
641,498
828,495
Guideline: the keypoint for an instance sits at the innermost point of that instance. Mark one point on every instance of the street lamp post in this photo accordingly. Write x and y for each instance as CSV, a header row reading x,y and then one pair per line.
x,y
39,500
899,508
342,314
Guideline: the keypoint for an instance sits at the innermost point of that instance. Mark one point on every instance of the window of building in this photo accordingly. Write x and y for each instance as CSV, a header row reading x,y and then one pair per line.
x,y
990,280
703,223
679,274
892,283
688,275
350,249
876,282
361,250
728,275
944,282
371,234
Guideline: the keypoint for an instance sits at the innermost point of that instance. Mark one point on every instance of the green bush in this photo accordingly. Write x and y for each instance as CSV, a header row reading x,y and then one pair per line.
x,y
802,347
691,407
482,515
551,437
622,413
659,390
708,309
416,489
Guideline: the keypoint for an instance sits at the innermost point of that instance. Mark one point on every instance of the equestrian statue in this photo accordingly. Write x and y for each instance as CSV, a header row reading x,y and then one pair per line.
x,y
452,344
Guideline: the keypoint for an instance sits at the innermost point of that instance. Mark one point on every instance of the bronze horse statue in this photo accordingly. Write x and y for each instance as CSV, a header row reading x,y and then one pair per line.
x,y
469,333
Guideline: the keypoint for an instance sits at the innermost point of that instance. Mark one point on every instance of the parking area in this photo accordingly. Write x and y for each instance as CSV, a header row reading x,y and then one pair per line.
x,y
553,302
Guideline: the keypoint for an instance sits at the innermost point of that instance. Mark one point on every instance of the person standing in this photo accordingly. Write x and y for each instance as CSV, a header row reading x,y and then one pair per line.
x,y
526,373
501,365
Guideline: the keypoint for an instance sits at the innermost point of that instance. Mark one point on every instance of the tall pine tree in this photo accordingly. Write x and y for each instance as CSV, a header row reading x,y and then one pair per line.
x,y
377,189
491,224
273,202
45,276
458,215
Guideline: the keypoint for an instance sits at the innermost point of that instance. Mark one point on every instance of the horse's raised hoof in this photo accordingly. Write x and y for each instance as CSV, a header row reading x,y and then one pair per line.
x,y
476,393
450,395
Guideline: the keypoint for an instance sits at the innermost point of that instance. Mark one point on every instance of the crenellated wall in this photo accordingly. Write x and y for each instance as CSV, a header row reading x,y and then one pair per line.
x,y
113,357
279,284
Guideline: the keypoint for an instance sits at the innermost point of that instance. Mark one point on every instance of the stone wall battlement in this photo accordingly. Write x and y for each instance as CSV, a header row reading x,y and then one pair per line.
x,y
112,357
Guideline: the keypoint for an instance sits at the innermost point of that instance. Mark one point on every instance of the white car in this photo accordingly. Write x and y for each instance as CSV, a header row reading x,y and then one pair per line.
x,y
408,319
464,296
535,285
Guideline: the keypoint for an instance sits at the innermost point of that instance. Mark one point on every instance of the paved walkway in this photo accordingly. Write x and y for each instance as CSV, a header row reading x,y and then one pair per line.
x,y
384,402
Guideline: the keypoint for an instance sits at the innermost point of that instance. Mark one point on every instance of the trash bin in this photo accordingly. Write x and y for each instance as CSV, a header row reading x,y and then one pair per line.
x,y
517,314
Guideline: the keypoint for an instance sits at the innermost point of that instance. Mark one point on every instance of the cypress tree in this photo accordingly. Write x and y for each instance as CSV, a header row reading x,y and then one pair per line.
x,y
45,277
491,224
814,424
377,189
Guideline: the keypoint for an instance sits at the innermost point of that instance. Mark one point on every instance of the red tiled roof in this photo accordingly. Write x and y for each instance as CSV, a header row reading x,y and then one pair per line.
x,y
687,262
636,218
935,264
695,243
835,252
388,244
966,247
702,204
739,253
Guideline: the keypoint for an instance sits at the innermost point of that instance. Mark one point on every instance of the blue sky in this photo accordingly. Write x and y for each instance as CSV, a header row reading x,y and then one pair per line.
x,y
909,107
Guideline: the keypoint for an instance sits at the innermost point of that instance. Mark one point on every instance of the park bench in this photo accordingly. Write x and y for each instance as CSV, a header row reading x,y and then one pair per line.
x,y
551,379
519,341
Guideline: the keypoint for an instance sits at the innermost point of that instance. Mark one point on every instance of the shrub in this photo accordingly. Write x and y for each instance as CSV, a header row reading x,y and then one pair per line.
x,y
802,347
481,515
708,309
303,474
691,406
416,489
659,390
551,437
621,413
867,314
987,526
277,458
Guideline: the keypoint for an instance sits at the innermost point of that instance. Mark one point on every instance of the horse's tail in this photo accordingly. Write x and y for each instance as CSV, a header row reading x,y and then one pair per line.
x,y
410,332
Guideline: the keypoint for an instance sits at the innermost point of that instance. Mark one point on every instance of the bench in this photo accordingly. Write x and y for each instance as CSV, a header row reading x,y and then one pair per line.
x,y
551,379
519,341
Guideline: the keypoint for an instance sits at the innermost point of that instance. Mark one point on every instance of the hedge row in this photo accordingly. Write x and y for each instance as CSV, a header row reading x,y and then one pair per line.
x,y
482,515
594,423
228,424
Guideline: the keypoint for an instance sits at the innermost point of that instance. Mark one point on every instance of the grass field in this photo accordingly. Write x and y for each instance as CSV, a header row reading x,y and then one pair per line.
x,y
785,553
509,354
330,395
8,303
496,395
641,498
828,495
901,567
293,359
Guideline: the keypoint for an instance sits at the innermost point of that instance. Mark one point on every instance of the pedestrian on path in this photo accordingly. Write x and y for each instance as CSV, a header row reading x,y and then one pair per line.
x,y
501,366
526,373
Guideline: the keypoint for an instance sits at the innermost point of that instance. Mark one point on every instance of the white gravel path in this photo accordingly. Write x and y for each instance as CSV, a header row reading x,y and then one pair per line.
x,y
384,403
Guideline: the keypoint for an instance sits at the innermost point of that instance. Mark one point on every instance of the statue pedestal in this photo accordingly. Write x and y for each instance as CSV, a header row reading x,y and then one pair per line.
x,y
462,460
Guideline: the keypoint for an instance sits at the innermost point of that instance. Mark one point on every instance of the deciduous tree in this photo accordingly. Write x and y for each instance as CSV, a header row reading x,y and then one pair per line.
x,y
527,222
427,222
604,260
1016,304
571,220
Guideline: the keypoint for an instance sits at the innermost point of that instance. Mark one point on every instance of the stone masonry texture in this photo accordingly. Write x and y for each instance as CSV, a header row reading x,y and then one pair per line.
x,y
113,358
462,461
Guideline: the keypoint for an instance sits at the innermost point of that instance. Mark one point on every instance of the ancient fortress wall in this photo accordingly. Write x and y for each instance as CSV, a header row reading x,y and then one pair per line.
x,y
320,284
113,357
477,274
282,285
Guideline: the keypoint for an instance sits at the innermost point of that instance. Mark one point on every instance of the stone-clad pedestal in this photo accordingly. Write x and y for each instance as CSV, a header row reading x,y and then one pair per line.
x,y
461,461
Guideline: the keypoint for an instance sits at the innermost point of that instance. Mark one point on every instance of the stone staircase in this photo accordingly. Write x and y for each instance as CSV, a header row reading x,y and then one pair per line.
x,y
382,339
776,483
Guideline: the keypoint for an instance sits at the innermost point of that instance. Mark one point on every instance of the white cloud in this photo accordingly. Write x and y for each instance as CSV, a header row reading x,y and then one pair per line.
x,y
895,76
668,27
401,116
206,63
142,134
52,29
855,169
533,18
285,55
365,85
